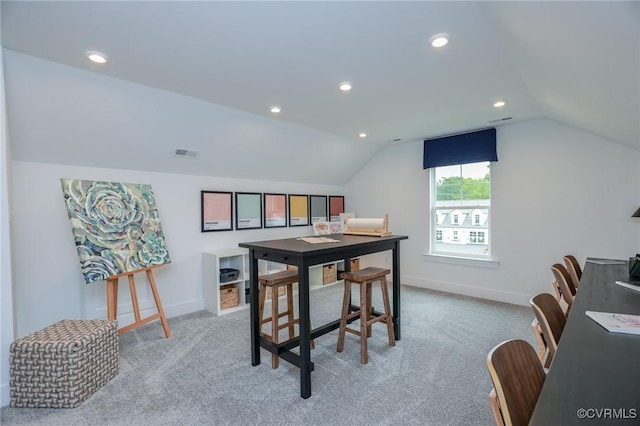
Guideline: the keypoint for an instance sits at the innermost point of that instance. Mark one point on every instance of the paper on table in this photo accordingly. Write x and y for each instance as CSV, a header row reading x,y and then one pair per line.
x,y
607,261
635,286
316,240
616,323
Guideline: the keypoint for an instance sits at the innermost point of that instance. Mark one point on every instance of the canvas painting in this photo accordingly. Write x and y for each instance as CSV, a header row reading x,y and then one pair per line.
x,y
116,227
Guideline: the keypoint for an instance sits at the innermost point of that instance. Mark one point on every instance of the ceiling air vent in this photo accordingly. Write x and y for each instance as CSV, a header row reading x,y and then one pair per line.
x,y
500,119
187,153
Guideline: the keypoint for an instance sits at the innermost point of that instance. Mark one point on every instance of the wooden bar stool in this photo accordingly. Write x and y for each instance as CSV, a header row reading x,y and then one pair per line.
x,y
282,279
365,277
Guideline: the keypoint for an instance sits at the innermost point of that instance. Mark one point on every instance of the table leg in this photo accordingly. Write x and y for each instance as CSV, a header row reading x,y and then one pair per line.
x,y
396,289
253,308
305,331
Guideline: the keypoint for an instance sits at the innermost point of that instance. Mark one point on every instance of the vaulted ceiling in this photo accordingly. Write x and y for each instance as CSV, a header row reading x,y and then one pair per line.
x,y
574,62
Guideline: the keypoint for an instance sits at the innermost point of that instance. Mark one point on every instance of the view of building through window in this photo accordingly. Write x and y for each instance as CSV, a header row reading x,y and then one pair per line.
x,y
461,201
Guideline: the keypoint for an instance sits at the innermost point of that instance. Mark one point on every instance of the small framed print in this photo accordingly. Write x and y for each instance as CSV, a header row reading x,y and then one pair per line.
x,y
216,211
336,207
275,210
248,210
298,210
318,208
326,228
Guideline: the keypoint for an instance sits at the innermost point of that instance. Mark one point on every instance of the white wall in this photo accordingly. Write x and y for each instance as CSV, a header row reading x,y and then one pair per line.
x,y
6,294
48,282
555,191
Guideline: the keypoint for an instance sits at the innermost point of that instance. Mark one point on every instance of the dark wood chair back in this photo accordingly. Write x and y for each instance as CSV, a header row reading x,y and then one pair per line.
x,y
517,376
551,319
575,271
565,284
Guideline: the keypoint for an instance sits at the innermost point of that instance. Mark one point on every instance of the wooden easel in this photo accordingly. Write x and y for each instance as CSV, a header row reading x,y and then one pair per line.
x,y
112,301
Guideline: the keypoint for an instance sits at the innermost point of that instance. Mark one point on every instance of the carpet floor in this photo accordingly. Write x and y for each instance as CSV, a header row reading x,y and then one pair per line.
x,y
435,375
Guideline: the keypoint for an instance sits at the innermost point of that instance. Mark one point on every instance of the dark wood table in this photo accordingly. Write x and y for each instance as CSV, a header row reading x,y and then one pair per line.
x,y
292,251
595,374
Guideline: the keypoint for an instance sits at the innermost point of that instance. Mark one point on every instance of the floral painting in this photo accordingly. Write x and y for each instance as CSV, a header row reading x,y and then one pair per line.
x,y
116,227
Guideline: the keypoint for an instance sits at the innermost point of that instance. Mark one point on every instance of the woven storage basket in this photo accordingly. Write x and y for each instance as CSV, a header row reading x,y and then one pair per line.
x,y
329,274
280,292
229,296
63,364
355,265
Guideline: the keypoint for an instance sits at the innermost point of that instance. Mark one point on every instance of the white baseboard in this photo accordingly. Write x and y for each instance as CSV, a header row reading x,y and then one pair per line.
x,y
467,290
5,396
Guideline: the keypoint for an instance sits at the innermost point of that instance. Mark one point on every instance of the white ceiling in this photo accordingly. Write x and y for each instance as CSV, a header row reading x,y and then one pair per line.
x,y
575,62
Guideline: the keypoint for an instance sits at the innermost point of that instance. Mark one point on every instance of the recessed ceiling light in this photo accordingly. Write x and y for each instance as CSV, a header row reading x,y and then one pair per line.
x,y
500,103
345,86
97,57
362,135
439,40
275,109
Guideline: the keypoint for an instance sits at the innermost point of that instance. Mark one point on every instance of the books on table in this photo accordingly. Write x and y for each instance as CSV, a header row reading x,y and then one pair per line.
x,y
616,323
632,285
317,240
600,261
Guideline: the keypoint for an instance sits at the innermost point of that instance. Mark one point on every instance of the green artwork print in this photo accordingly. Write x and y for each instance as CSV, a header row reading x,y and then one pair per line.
x,y
116,227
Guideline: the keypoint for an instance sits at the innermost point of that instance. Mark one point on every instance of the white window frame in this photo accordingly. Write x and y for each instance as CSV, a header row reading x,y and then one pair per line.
x,y
483,260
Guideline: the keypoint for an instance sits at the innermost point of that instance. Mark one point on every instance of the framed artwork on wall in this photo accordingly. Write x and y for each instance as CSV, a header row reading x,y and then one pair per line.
x,y
336,206
298,210
275,210
248,210
318,208
216,211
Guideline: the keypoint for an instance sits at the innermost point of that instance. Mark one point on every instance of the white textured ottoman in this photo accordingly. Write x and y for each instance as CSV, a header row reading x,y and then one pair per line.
x,y
63,364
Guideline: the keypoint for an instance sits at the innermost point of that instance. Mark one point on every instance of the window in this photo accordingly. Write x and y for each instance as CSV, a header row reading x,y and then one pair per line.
x,y
476,237
465,191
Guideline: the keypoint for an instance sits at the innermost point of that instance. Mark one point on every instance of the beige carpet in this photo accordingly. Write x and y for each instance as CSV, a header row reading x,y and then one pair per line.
x,y
435,375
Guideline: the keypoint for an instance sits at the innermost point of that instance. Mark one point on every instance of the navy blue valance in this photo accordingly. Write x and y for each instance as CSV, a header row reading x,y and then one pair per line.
x,y
465,148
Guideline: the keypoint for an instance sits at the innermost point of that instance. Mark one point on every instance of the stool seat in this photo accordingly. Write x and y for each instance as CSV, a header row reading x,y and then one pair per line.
x,y
275,281
365,278
370,273
279,278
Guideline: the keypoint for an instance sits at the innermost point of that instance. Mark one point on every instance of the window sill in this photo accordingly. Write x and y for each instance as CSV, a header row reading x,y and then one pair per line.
x,y
458,260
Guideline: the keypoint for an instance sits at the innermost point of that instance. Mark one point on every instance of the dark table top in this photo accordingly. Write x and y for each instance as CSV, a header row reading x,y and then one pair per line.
x,y
595,374
346,245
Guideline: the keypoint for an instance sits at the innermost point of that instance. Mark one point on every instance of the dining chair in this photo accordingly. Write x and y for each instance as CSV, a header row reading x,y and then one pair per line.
x,y
537,332
517,376
495,407
565,284
552,321
575,271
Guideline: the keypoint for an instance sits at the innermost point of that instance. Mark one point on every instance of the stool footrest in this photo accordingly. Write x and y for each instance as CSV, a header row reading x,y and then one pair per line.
x,y
266,320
